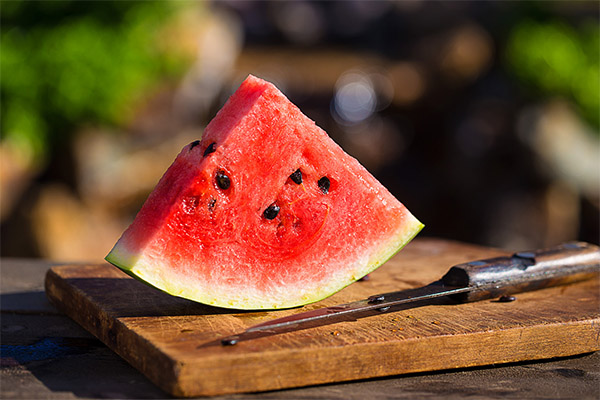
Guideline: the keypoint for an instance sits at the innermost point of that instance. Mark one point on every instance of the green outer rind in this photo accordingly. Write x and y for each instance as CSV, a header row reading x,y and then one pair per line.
x,y
419,226
407,236
129,272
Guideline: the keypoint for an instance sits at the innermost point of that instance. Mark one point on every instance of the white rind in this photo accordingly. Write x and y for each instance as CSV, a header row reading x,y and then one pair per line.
x,y
247,296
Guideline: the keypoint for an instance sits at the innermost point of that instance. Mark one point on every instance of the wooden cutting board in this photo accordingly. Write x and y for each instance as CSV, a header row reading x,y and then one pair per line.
x,y
174,342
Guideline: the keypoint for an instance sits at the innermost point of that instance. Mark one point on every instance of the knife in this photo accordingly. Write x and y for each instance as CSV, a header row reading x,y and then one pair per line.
x,y
468,282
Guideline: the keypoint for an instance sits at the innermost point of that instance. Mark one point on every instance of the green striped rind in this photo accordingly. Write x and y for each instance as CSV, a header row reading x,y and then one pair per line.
x,y
377,259
246,296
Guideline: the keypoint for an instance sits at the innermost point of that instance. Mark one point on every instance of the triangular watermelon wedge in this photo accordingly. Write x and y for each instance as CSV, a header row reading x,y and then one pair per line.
x,y
265,212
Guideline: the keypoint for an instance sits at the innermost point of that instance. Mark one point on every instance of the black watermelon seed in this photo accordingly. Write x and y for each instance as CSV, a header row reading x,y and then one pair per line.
x,y
212,203
194,144
324,184
271,211
223,180
296,176
210,149
506,299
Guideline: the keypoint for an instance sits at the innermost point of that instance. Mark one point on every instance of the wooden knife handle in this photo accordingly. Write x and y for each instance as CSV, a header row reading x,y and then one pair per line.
x,y
525,271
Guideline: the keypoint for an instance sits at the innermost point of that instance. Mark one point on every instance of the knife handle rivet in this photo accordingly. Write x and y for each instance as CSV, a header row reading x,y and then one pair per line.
x,y
506,298
376,299
479,263
383,308
525,254
574,245
229,341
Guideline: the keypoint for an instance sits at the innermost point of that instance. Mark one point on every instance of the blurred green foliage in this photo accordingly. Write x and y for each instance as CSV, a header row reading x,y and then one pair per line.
x,y
64,63
558,59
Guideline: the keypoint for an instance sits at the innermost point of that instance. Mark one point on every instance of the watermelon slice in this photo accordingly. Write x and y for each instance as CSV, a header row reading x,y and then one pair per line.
x,y
265,212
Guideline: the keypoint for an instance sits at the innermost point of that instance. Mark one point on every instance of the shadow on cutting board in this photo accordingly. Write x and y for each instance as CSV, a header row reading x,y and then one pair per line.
x,y
131,298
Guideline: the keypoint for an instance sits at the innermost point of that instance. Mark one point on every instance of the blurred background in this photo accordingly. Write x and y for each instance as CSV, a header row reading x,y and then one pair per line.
x,y
481,117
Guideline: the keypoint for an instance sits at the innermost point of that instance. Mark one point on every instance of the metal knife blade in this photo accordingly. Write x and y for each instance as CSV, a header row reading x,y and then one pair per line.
x,y
472,281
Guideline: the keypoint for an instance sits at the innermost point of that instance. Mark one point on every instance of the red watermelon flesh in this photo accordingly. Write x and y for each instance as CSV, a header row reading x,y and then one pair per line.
x,y
265,212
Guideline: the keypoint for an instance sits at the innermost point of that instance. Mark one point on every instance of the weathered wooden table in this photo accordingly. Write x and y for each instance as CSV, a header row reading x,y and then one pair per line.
x,y
47,355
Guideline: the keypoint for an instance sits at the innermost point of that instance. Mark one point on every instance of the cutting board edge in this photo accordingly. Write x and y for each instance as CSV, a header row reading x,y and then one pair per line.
x,y
523,349
174,375
114,334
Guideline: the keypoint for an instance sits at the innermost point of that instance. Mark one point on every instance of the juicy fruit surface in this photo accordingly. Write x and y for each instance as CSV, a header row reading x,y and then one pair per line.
x,y
266,211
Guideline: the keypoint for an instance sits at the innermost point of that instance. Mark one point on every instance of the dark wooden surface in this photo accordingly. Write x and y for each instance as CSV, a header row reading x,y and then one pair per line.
x,y
46,355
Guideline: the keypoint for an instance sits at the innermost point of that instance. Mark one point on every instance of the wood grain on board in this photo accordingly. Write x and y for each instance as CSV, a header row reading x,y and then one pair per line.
x,y
175,342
